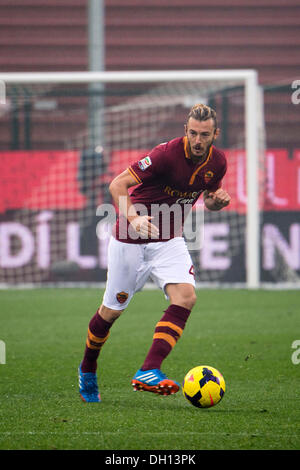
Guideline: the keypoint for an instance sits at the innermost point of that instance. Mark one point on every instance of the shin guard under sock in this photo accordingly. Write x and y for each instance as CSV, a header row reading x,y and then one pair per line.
x,y
98,333
167,332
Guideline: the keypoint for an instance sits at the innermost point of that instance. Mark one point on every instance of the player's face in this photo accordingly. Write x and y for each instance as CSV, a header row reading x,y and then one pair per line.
x,y
200,135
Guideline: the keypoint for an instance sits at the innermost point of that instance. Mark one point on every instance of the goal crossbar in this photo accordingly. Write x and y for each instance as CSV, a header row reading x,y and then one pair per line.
x,y
127,76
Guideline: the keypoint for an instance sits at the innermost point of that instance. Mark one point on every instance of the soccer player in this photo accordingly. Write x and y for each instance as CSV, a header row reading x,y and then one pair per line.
x,y
147,242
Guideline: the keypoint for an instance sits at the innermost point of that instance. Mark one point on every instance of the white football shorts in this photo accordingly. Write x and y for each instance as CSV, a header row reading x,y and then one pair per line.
x,y
131,265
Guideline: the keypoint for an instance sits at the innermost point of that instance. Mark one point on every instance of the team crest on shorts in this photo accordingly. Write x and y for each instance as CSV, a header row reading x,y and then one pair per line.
x,y
122,297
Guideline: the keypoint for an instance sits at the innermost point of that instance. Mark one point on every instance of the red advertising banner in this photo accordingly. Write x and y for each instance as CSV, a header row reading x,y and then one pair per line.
x,y
282,187
49,179
39,180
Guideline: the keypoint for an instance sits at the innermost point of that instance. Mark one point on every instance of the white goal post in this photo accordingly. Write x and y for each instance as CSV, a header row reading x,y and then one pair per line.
x,y
247,78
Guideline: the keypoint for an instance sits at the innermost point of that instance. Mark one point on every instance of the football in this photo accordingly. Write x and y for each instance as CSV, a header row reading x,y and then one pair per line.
x,y
203,386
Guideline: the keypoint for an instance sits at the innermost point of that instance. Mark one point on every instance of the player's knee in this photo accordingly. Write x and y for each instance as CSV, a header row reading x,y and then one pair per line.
x,y
182,294
188,301
109,314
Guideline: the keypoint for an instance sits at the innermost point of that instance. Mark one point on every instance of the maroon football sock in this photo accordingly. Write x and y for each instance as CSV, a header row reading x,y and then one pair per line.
x,y
167,332
98,333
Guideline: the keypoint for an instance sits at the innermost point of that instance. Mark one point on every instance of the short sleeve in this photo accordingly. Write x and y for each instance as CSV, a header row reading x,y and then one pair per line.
x,y
150,166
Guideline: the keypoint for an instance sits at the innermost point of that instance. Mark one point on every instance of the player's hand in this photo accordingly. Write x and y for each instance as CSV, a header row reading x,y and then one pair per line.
x,y
142,225
220,197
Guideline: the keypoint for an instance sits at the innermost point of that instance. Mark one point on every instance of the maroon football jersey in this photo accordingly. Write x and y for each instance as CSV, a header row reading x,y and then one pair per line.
x,y
168,185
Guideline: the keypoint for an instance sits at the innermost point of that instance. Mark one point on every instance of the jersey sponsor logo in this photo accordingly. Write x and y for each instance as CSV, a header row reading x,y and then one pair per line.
x,y
183,197
145,163
122,297
184,200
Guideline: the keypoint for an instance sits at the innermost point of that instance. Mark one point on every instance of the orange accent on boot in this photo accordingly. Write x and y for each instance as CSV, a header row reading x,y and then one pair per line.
x,y
165,387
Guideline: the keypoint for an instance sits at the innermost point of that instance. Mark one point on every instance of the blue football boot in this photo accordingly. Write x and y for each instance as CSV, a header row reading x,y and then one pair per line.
x,y
154,381
88,387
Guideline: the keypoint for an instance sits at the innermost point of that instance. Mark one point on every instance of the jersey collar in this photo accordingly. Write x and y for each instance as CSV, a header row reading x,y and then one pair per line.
x,y
187,155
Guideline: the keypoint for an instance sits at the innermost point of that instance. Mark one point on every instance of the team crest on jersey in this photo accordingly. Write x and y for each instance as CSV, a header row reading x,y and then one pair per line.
x,y
145,163
122,297
208,176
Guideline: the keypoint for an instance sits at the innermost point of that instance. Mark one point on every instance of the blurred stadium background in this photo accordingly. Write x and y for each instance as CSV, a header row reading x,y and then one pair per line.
x,y
60,145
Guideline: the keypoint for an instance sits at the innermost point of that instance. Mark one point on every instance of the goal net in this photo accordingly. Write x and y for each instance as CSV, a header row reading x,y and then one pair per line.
x,y
65,136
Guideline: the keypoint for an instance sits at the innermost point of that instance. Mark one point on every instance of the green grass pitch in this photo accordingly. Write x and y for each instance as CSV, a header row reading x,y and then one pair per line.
x,y
247,335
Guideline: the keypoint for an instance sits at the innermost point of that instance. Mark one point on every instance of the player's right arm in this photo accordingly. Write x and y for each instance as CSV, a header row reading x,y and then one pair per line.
x,y
119,191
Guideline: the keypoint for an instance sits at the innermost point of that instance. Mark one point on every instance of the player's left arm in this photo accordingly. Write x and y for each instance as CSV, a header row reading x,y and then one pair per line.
x,y
216,200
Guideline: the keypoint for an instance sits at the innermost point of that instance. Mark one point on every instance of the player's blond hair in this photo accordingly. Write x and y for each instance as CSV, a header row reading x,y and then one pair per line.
x,y
202,112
